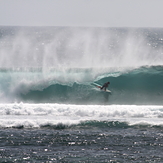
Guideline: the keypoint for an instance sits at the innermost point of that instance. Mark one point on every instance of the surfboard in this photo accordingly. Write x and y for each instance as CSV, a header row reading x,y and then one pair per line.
x,y
99,86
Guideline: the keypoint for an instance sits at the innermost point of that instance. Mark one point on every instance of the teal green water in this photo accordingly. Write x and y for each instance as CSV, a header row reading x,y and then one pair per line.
x,y
137,86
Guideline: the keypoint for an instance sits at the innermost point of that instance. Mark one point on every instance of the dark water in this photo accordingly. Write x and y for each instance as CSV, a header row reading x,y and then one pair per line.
x,y
128,144
51,112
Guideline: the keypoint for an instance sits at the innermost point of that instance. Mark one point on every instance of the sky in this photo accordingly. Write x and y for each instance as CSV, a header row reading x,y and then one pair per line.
x,y
94,13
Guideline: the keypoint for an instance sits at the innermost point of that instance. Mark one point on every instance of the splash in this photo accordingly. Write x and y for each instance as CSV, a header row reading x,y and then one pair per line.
x,y
72,47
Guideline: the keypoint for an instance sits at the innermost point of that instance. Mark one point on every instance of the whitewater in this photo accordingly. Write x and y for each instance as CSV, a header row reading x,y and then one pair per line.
x,y
53,115
50,111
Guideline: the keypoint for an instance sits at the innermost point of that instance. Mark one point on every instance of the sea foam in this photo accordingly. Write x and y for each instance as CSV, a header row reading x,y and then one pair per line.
x,y
37,115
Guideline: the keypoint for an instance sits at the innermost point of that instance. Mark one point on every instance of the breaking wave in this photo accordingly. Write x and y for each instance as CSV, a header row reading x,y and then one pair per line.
x,y
137,86
59,65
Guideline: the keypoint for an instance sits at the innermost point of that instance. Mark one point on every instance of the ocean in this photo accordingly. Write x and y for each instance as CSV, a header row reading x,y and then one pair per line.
x,y
50,111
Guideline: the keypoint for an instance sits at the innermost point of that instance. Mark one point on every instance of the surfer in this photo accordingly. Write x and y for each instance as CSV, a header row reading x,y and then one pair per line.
x,y
105,86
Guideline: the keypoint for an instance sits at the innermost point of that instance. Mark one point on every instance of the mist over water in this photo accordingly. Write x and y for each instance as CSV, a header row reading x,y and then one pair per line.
x,y
72,47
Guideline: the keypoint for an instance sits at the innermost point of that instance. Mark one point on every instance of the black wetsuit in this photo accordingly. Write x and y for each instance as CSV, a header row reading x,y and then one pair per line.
x,y
105,86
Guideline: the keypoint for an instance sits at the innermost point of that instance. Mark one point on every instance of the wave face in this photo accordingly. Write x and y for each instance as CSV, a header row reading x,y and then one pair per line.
x,y
138,86
59,65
